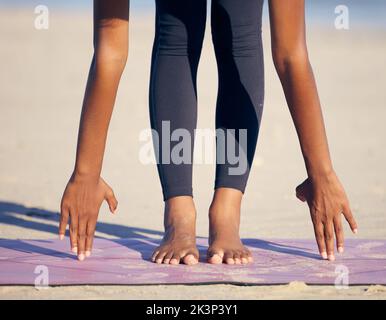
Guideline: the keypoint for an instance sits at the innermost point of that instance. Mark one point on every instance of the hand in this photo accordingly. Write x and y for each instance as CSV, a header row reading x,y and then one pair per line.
x,y
81,202
327,200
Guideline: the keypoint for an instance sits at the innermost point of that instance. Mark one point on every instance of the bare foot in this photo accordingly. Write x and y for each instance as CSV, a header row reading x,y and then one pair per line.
x,y
225,245
179,241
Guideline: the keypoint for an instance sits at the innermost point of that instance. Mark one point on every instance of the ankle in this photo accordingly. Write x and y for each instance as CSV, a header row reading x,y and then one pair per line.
x,y
226,198
179,210
182,204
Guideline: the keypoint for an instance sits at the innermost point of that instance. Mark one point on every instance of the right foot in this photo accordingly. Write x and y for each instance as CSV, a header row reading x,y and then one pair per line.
x,y
179,241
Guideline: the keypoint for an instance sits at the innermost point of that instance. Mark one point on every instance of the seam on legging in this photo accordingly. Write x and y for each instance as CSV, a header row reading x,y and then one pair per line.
x,y
153,112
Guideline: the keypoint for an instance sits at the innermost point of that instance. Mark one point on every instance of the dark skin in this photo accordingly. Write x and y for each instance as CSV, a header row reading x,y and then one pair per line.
x,y
86,190
322,189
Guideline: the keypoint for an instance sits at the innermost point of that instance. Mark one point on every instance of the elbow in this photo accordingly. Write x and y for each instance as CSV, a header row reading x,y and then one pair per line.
x,y
289,60
110,59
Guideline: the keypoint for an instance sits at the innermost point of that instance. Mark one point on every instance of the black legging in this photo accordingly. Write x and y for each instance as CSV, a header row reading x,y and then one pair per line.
x,y
236,34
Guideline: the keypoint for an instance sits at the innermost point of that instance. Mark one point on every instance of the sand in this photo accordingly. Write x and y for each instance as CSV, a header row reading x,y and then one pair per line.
x,y
42,79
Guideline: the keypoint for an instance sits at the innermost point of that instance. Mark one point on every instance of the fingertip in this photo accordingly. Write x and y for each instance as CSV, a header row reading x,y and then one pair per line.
x,y
355,231
61,236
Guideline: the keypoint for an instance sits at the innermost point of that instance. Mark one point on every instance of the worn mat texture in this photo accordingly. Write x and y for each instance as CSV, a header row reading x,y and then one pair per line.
x,y
126,262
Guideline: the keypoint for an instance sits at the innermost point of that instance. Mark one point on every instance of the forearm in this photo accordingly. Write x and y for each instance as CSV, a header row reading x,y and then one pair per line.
x,y
302,98
97,109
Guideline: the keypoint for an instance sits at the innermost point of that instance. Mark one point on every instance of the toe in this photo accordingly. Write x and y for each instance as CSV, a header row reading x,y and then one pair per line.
x,y
215,259
215,256
190,259
228,257
245,257
175,259
160,257
154,255
237,257
167,258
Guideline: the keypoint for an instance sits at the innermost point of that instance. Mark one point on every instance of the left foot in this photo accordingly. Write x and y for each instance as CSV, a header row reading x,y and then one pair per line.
x,y
225,245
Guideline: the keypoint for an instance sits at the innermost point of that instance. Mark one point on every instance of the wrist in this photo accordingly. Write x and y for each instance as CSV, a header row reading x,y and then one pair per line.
x,y
321,173
84,176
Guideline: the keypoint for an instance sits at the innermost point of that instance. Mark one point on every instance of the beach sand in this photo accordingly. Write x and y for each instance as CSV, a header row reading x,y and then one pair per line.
x,y
42,79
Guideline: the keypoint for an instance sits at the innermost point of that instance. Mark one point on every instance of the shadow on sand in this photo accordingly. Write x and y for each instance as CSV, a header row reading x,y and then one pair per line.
x,y
146,240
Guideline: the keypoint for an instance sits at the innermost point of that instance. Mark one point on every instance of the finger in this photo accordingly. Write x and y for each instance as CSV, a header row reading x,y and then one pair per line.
x,y
82,237
350,218
91,225
111,200
64,215
329,239
74,232
319,236
339,234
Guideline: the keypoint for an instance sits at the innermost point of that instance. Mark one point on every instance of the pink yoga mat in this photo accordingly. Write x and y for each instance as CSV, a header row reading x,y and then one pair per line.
x,y
126,261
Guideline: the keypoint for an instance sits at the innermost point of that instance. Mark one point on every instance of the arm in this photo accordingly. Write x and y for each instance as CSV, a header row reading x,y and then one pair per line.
x,y
322,190
86,190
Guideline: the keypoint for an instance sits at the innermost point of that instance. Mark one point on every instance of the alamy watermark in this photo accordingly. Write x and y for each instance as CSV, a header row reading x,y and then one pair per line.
x,y
220,146
42,19
342,279
42,279
342,20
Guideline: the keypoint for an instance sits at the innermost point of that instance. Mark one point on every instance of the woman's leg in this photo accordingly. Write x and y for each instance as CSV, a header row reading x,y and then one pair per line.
x,y
180,27
236,32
